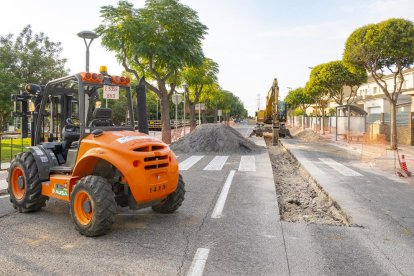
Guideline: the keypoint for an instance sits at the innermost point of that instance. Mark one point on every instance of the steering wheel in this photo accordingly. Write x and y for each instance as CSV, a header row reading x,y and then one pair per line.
x,y
70,126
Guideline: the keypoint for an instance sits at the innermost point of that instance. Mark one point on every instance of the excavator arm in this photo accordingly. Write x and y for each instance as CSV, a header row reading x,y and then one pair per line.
x,y
269,119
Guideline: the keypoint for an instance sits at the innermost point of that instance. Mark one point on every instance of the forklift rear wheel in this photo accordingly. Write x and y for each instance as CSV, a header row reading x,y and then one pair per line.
x,y
24,187
173,201
93,206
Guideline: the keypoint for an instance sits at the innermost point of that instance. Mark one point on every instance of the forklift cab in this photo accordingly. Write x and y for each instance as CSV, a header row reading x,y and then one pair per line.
x,y
76,106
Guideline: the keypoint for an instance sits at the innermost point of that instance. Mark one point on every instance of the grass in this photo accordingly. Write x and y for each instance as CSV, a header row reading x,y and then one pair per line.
x,y
10,147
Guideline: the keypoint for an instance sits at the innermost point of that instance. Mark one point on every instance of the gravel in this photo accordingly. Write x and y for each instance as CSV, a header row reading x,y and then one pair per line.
x,y
217,138
300,199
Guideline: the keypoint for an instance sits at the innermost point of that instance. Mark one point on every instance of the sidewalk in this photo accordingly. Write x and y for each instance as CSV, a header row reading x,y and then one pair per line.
x,y
378,202
376,156
3,182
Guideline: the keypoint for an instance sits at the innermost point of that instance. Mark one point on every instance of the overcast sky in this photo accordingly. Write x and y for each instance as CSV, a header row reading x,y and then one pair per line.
x,y
253,41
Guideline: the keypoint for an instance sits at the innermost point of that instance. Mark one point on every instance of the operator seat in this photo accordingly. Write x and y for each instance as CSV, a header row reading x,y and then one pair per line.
x,y
70,135
101,117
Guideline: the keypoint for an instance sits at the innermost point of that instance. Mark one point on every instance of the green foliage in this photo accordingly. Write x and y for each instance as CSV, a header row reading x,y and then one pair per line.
x,y
157,41
315,87
230,104
386,47
29,58
298,112
298,98
381,48
200,79
335,75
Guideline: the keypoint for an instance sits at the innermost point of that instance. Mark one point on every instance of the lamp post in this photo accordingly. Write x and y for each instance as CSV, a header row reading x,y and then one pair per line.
x,y
87,35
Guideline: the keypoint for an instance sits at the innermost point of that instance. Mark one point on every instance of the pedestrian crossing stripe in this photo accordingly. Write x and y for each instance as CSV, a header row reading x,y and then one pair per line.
x,y
247,163
189,162
342,169
216,164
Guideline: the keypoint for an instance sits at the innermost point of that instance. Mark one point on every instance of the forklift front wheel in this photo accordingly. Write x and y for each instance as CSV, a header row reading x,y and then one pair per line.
x,y
24,186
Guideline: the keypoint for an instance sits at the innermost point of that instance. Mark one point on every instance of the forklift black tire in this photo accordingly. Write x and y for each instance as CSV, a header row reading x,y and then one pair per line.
x,y
173,201
24,186
93,206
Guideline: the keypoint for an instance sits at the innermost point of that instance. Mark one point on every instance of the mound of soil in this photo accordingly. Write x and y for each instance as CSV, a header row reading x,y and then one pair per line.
x,y
217,138
309,136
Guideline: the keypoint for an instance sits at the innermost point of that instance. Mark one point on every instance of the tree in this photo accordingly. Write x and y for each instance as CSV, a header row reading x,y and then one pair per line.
x,y
157,41
298,98
386,47
30,58
316,89
199,79
298,101
335,76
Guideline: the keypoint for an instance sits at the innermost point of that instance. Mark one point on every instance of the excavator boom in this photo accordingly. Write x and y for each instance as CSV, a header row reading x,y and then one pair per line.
x,y
269,119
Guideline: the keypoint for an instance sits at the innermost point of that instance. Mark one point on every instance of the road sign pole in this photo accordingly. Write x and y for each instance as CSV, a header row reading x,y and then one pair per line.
x,y
185,125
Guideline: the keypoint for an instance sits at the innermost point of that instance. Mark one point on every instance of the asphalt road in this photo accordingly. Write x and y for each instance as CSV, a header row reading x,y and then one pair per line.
x,y
244,238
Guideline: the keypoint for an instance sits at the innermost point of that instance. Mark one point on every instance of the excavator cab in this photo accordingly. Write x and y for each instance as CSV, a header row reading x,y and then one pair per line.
x,y
85,151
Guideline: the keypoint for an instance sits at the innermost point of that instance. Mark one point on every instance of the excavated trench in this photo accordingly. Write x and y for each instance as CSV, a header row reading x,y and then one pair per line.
x,y
300,198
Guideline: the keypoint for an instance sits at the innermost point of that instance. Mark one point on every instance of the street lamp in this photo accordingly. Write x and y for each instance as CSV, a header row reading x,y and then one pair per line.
x,y
91,36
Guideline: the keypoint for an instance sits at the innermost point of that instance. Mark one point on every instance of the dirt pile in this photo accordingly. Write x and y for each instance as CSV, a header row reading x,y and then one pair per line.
x,y
308,136
300,199
215,138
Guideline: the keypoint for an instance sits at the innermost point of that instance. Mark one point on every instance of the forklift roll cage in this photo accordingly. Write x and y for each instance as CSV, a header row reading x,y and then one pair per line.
x,y
59,87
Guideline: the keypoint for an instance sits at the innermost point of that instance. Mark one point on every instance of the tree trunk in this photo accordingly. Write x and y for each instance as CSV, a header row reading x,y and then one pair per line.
x,y
393,128
323,122
303,121
204,117
165,119
3,121
193,123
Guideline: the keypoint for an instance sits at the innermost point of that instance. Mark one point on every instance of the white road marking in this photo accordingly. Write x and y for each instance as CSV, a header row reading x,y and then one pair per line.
x,y
218,209
199,262
247,163
216,164
3,184
4,196
310,166
339,167
189,162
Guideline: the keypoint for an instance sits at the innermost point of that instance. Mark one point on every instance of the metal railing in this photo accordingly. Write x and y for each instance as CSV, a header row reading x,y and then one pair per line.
x,y
10,145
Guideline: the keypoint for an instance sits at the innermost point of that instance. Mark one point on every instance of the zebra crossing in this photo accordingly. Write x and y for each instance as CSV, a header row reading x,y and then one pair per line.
x,y
247,163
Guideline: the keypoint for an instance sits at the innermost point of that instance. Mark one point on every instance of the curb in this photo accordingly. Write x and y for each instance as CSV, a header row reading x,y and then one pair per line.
x,y
306,174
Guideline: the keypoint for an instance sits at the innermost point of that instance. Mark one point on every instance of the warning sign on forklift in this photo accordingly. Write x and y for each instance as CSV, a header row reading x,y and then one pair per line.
x,y
111,92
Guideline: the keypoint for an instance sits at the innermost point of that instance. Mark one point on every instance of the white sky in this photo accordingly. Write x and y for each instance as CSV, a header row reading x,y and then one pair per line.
x,y
253,41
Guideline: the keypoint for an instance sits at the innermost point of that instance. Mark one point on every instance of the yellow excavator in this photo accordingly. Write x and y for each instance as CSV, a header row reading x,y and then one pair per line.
x,y
273,118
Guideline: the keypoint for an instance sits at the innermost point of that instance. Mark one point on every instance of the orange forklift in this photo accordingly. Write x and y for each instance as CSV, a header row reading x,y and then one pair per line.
x,y
85,150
